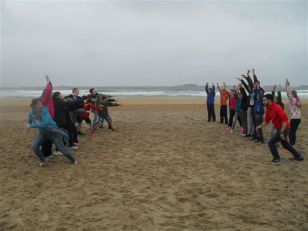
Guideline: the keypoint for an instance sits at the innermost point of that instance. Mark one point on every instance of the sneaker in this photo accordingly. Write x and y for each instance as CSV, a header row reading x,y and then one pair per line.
x,y
42,163
56,153
73,147
76,144
276,160
231,131
48,158
300,158
75,162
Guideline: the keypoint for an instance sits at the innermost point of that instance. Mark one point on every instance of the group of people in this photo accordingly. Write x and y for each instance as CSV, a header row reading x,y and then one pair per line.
x,y
249,105
59,118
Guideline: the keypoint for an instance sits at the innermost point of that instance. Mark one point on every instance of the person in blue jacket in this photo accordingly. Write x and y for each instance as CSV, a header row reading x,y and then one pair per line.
x,y
258,94
210,102
40,118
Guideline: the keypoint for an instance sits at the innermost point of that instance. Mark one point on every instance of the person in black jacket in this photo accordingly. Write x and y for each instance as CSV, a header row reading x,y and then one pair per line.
x,y
244,108
277,99
63,114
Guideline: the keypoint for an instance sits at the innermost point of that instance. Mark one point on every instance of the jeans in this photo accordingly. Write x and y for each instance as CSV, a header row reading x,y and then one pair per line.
x,y
223,114
250,128
273,130
55,138
275,139
259,133
254,121
294,125
211,112
237,117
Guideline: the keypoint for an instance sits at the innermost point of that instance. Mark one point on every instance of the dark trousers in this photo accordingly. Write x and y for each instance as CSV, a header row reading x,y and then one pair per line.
x,y
232,113
223,114
47,148
259,133
74,130
254,122
275,139
294,125
211,112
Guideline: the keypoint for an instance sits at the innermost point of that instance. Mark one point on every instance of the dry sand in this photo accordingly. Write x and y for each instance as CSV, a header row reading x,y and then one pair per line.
x,y
166,168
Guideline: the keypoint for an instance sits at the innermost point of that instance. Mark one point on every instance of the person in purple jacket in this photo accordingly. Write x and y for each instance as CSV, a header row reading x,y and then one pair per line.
x,y
210,102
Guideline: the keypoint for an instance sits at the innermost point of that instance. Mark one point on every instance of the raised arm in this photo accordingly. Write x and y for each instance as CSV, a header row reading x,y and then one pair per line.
x,y
219,89
46,96
207,88
274,91
288,89
242,90
249,81
255,79
244,84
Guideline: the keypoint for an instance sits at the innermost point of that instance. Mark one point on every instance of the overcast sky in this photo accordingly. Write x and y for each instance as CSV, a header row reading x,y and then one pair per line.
x,y
83,43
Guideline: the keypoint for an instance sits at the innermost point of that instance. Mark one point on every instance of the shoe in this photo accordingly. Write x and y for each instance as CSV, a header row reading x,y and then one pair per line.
x,y
228,129
75,162
73,147
247,135
276,160
48,158
42,163
231,131
56,153
243,134
80,133
299,158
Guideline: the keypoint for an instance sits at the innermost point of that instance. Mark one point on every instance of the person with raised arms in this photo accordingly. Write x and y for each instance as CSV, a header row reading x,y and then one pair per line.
x,y
294,108
224,96
210,102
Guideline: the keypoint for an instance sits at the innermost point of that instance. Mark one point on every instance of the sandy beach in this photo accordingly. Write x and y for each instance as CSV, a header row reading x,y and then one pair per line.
x,y
166,168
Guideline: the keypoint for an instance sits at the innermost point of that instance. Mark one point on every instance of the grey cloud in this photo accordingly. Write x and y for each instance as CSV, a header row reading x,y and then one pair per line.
x,y
152,43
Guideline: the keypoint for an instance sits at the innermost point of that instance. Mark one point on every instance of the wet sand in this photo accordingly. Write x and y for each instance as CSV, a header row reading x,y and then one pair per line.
x,y
166,168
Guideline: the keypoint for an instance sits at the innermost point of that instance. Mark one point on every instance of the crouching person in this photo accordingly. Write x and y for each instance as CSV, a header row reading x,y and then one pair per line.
x,y
279,118
40,118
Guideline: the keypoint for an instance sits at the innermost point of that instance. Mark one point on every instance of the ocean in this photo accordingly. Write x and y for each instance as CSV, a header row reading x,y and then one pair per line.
x,y
184,91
